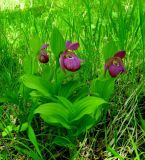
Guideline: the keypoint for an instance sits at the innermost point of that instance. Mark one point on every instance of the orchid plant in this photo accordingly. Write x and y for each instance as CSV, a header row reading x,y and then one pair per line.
x,y
55,97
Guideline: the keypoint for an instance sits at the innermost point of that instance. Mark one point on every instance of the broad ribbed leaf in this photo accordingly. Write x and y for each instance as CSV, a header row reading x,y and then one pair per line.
x,y
103,87
83,124
54,113
67,89
35,44
27,64
59,80
37,83
65,102
109,50
86,106
57,42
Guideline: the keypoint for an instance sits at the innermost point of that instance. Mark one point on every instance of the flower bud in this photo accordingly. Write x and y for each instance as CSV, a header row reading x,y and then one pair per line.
x,y
43,57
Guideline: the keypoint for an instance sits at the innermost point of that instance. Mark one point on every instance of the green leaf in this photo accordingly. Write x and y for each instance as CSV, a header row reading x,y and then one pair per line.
x,y
83,124
3,99
60,76
66,103
54,113
67,89
114,153
62,141
11,128
109,50
33,139
22,127
86,106
27,64
57,42
142,121
81,92
35,45
37,83
103,87
98,113
7,130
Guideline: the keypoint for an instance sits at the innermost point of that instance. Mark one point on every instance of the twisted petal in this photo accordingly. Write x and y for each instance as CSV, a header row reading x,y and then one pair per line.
x,y
72,46
44,46
67,44
120,54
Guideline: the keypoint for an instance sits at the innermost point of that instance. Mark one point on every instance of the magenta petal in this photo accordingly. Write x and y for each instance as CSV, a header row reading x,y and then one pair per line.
x,y
116,70
72,63
67,44
74,46
44,46
120,54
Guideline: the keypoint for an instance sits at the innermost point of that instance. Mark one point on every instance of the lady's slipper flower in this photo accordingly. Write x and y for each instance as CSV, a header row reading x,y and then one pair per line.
x,y
43,56
115,64
68,59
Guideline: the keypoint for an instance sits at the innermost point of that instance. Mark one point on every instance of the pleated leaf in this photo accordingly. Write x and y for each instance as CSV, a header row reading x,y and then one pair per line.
x,y
37,83
57,42
87,106
54,113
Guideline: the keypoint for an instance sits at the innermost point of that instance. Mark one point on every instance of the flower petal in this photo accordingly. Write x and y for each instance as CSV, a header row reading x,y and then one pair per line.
x,y
74,55
107,64
72,63
120,54
44,46
116,70
67,44
74,46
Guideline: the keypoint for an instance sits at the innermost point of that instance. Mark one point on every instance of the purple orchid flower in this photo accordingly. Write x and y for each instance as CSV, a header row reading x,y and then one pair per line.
x,y
68,59
115,64
43,56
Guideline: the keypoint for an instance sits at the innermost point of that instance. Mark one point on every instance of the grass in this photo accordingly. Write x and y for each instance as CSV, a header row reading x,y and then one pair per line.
x,y
102,28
